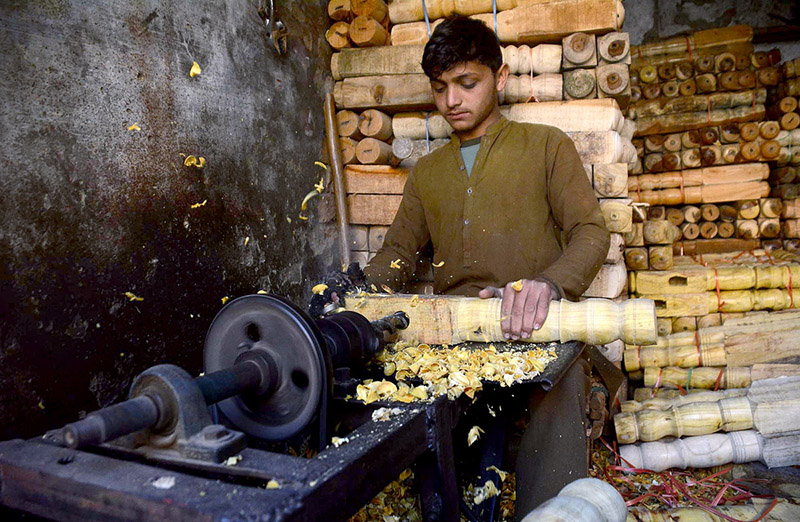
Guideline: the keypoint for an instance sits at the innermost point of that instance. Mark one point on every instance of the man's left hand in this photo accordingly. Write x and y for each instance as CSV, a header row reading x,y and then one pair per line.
x,y
522,311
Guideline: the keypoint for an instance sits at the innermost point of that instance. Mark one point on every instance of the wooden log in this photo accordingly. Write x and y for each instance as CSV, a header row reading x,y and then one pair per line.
x,y
651,91
347,123
723,174
675,216
580,84
722,100
684,324
403,11
573,116
376,237
653,162
703,451
339,10
703,194
728,81
707,377
542,58
691,158
769,227
695,120
708,230
784,510
578,50
637,258
664,326
690,231
687,356
747,229
338,35
610,180
708,246
711,155
708,321
370,151
789,121
691,213
617,214
676,305
728,213
680,45
706,83
656,213
537,23
726,229
635,237
347,147
372,209
609,282
613,81
709,212
375,179
399,92
749,131
409,151
375,124
688,87
524,88
602,147
730,153
729,133
660,257
669,401
372,61
453,319
614,47
584,500
365,31
660,233
671,142
375,9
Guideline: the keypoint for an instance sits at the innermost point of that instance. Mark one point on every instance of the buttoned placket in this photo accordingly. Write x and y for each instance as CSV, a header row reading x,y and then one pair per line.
x,y
471,182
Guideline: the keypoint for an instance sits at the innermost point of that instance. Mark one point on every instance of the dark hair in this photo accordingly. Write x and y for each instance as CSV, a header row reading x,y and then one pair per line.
x,y
458,40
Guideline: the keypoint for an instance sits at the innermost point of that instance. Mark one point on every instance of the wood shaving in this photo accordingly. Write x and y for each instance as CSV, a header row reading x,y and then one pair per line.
x,y
195,70
225,299
133,297
473,435
517,285
273,484
398,502
232,461
198,162
440,264
395,264
319,289
198,205
134,127
338,441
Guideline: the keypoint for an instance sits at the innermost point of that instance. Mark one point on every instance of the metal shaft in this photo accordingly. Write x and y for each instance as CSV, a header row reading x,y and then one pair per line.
x,y
223,384
112,422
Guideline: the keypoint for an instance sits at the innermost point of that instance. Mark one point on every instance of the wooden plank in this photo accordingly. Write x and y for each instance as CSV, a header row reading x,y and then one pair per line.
x,y
372,209
369,179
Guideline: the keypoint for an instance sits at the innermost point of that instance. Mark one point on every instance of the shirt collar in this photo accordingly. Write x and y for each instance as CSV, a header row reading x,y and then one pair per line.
x,y
491,131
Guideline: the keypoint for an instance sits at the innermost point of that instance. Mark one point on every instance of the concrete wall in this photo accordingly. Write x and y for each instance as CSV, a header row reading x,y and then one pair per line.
x,y
90,210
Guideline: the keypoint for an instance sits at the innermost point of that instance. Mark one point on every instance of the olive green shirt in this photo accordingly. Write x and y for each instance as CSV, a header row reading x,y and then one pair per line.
x,y
526,211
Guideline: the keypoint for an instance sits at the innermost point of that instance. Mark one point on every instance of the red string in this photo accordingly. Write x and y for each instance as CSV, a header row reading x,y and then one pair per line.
x,y
689,48
720,302
697,344
658,379
719,379
532,96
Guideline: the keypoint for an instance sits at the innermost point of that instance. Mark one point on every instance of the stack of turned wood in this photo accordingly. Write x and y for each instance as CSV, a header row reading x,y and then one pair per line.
x,y
704,291
741,375
569,69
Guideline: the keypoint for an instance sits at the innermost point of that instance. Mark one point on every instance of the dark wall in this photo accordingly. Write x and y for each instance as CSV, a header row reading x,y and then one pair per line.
x,y
90,210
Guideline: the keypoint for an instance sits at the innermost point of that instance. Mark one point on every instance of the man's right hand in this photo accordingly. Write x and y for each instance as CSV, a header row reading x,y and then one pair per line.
x,y
522,311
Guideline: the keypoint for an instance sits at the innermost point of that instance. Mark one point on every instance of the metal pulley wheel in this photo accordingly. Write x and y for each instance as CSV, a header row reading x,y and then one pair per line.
x,y
292,340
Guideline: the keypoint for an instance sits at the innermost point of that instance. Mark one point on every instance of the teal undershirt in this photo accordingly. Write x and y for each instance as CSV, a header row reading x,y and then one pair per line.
x,y
469,151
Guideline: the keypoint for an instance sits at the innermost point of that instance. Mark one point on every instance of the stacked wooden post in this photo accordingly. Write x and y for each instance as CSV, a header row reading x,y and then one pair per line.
x,y
569,69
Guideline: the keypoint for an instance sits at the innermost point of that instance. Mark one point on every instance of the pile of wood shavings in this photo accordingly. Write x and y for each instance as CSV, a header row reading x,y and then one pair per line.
x,y
397,502
507,496
667,489
453,371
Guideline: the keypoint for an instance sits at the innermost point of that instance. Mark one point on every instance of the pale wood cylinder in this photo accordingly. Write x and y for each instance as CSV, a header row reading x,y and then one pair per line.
x,y
616,246
375,124
672,142
573,116
409,151
690,158
339,9
376,237
703,377
670,89
703,194
690,231
660,233
730,153
450,320
579,50
412,33
403,11
635,237
684,324
347,122
670,400
375,9
675,216
347,148
617,214
769,227
338,35
359,237
656,213
688,356
747,228
709,320
412,125
542,58
523,88
726,229
709,212
660,257
370,151
366,31
584,500
704,451
637,258
783,512
664,326
579,84
693,120
708,230
687,87
700,418
610,180
609,282
614,47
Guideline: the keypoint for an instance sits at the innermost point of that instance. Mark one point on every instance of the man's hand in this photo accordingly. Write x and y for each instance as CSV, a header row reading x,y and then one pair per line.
x,y
522,311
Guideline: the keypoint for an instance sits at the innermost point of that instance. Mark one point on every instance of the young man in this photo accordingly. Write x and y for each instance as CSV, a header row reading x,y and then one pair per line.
x,y
502,202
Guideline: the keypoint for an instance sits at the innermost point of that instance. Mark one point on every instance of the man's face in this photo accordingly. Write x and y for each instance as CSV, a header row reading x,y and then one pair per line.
x,y
466,95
